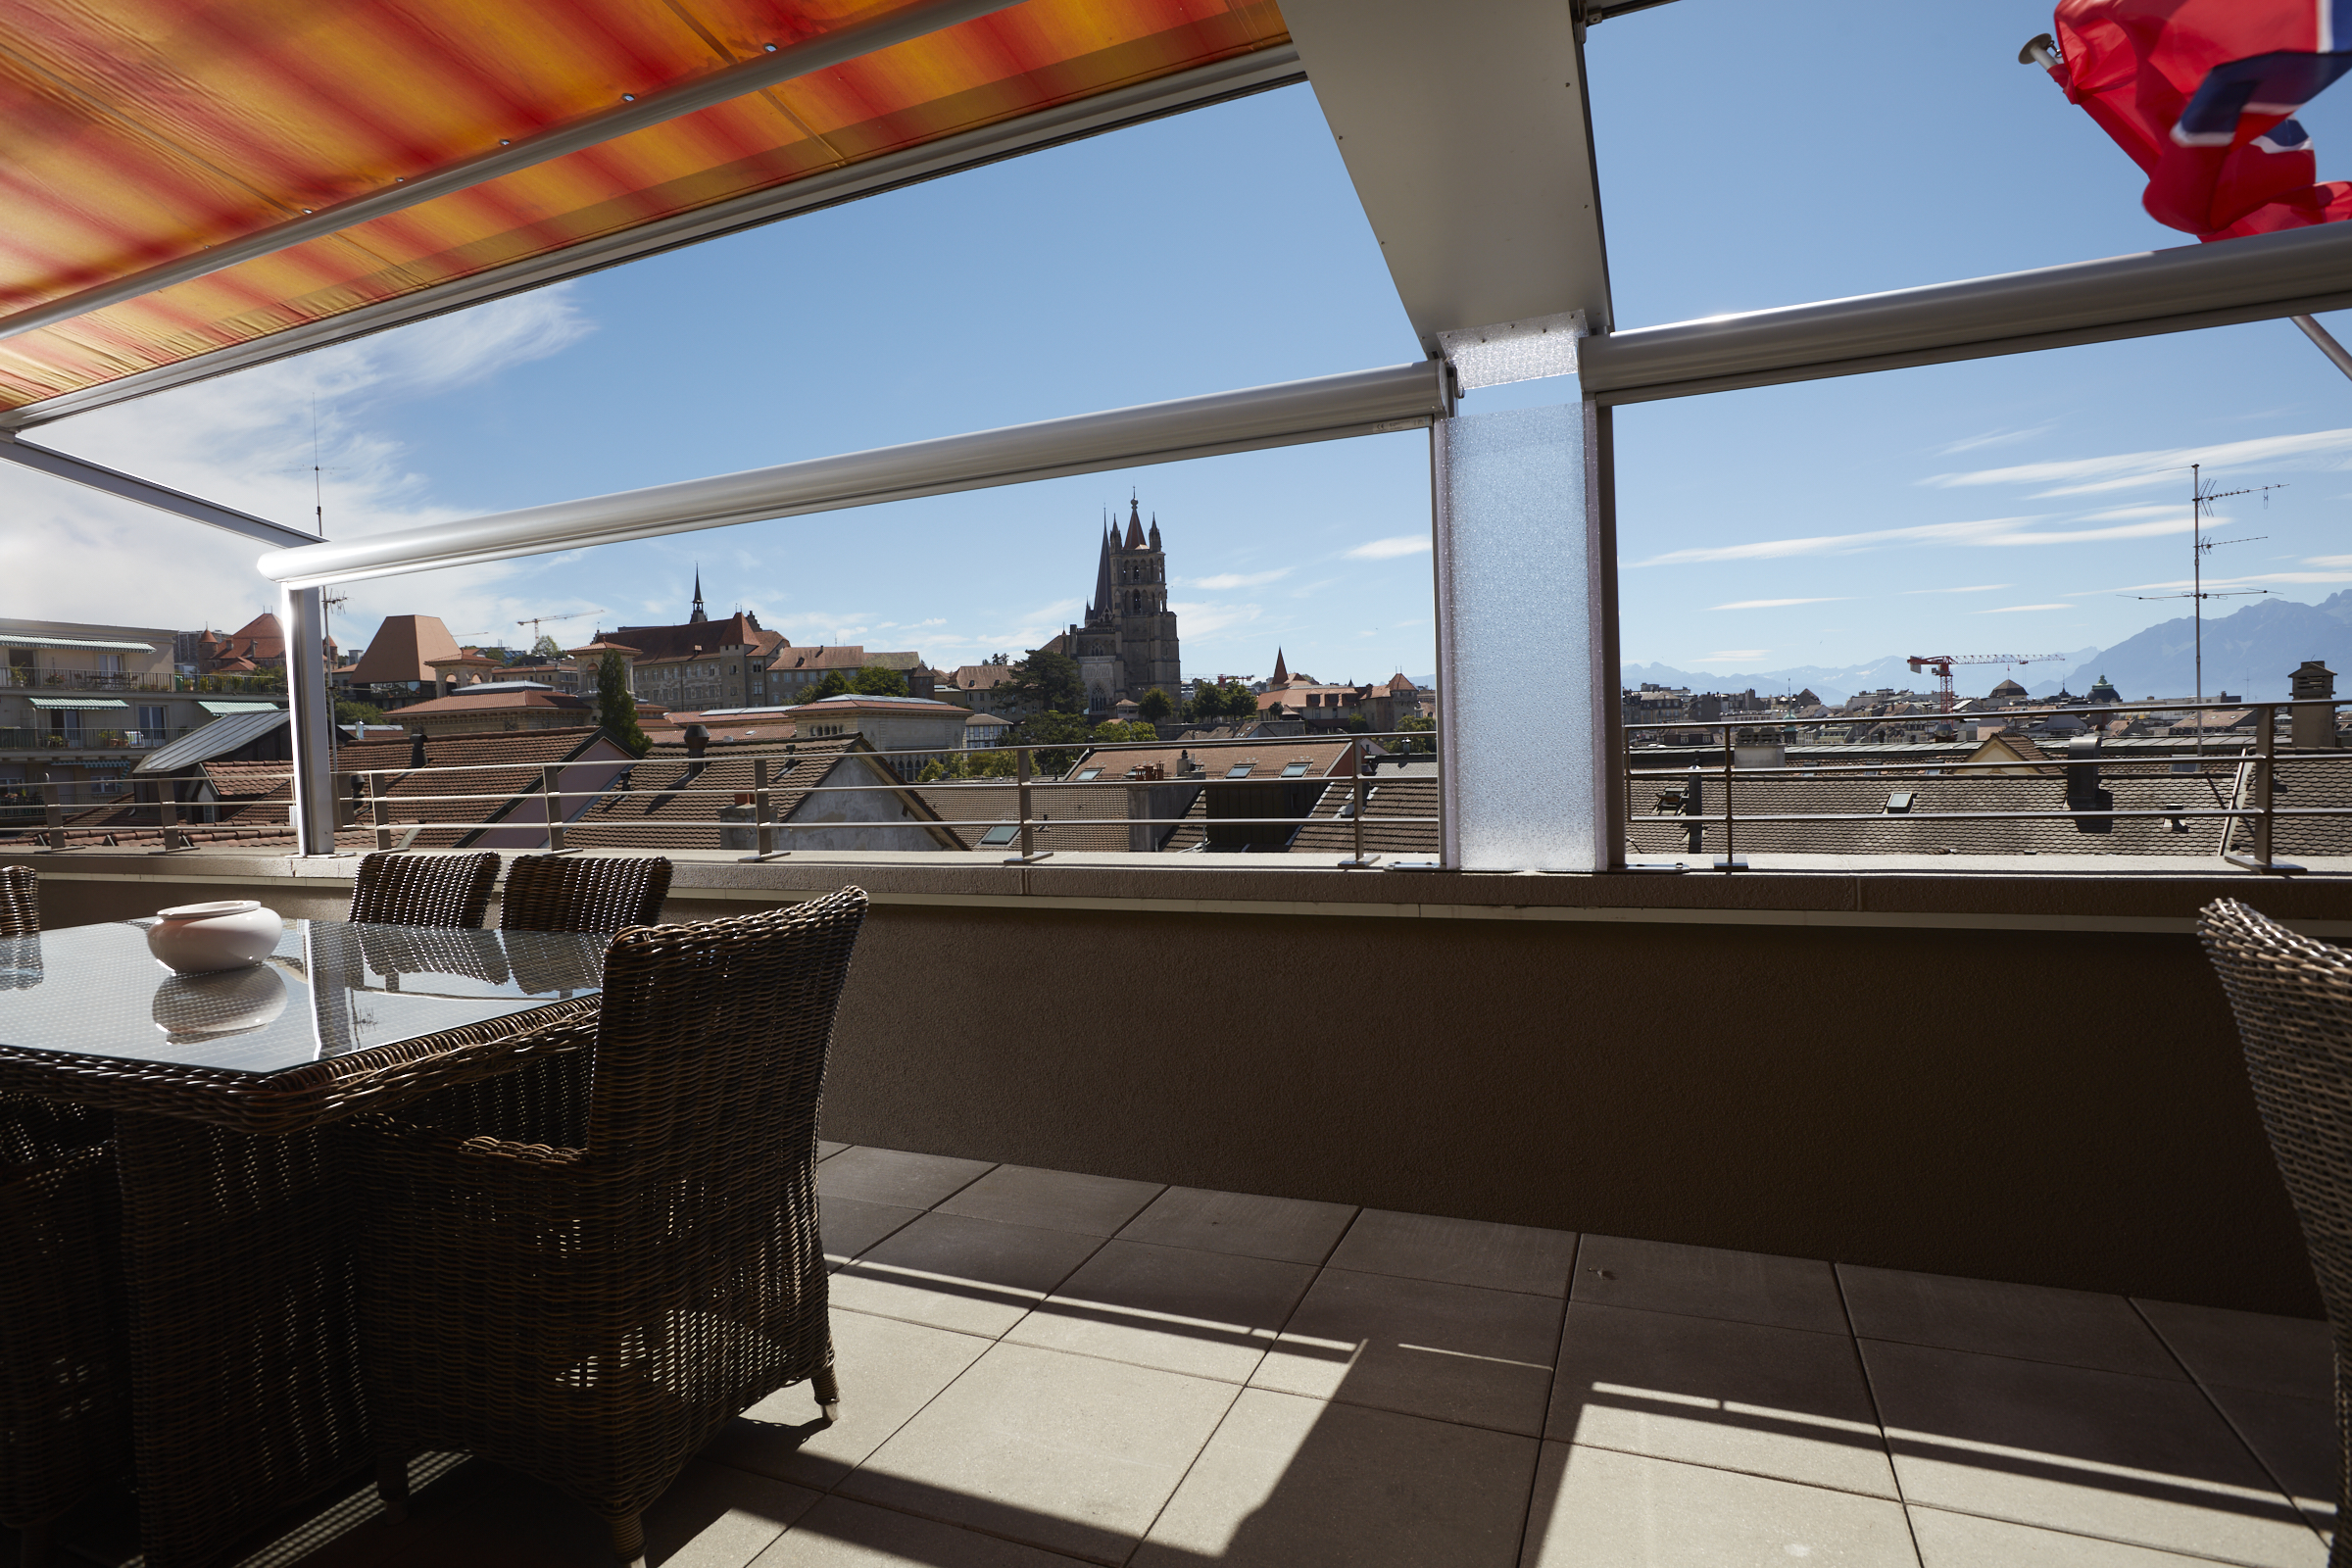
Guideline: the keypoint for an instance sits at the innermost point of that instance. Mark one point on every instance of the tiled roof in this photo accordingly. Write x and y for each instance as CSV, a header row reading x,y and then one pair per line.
x,y
846,655
1068,818
667,794
509,763
1915,833
2300,782
468,702
402,649
1408,793
655,643
1270,754
980,677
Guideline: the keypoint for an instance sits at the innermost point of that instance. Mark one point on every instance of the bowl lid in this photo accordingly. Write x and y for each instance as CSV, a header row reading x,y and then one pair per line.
x,y
199,912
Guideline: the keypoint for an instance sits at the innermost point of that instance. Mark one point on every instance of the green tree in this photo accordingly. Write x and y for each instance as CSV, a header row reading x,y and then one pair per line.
x,y
615,709
1111,732
1226,700
834,684
1154,705
876,681
1423,738
546,647
1047,682
1066,734
347,711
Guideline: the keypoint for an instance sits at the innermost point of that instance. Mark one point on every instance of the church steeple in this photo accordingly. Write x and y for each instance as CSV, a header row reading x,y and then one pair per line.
x,y
1154,534
1282,672
1134,525
1106,589
699,614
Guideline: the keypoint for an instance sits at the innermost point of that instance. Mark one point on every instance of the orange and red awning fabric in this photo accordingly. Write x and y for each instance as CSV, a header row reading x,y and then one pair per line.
x,y
141,131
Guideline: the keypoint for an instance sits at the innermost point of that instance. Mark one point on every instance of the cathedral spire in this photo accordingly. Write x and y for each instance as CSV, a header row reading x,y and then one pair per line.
x,y
699,612
1105,588
1282,672
1134,525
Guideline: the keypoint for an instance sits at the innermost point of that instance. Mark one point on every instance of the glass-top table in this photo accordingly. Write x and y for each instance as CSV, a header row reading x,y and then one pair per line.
x,y
331,989
238,1231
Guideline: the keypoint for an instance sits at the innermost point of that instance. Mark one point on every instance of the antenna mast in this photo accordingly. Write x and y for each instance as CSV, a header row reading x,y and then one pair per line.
x,y
2200,496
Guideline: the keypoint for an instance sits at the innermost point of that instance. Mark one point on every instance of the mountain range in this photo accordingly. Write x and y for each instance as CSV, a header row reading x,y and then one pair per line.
x,y
2248,653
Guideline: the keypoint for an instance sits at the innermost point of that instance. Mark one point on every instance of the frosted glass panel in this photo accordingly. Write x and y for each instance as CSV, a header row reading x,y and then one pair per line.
x,y
1519,642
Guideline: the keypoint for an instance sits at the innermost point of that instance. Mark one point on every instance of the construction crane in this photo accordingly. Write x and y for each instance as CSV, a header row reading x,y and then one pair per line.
x,y
535,622
1942,664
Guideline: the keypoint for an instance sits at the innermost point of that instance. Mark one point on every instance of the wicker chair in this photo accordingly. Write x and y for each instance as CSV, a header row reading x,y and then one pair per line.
x,y
425,889
565,893
2292,998
582,1274
65,1377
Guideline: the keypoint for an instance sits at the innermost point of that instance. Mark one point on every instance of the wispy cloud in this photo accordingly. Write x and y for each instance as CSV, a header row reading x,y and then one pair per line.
x,y
1730,654
1774,603
1410,544
2129,469
2011,610
1972,588
1993,438
2327,561
1986,533
1201,620
1228,580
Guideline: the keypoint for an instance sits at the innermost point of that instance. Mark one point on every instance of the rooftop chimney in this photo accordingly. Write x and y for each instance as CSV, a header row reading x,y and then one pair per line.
x,y
415,747
697,737
2314,727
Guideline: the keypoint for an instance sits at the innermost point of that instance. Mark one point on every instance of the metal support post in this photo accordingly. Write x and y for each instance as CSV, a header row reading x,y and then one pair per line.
x,y
2266,809
1029,851
1356,810
1519,557
379,813
1728,860
764,815
552,793
167,812
311,717
53,804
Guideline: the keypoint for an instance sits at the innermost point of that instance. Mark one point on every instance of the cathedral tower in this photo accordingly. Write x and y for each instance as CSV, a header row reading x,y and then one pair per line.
x,y
1128,643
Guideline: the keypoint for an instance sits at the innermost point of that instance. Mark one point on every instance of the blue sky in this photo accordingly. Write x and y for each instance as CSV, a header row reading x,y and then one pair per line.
x,y
1749,156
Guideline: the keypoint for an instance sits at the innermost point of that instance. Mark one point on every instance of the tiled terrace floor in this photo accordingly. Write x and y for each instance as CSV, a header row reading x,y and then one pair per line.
x,y
1040,1368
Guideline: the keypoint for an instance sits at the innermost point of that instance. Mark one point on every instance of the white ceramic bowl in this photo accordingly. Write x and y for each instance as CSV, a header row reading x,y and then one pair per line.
x,y
206,1007
199,938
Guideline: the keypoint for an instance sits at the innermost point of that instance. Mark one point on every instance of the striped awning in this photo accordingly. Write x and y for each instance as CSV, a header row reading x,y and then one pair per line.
x,y
215,708
144,132
77,703
16,640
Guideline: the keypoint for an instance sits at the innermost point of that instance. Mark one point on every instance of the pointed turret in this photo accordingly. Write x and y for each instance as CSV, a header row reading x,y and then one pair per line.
x,y
699,612
1154,530
1282,672
1134,525
1105,591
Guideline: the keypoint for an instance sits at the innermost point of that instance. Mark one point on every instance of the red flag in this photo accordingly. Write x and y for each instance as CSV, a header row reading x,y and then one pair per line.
x,y
2202,94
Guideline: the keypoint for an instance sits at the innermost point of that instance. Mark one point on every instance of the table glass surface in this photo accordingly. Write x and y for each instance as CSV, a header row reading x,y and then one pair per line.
x,y
331,989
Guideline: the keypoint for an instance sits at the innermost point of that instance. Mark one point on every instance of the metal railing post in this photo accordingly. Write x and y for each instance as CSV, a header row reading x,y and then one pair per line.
x,y
380,811
763,831
1358,795
167,814
2266,744
1731,858
554,799
1021,797
54,811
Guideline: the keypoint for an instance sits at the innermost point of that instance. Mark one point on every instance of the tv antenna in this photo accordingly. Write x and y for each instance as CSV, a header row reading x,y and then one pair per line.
x,y
2200,497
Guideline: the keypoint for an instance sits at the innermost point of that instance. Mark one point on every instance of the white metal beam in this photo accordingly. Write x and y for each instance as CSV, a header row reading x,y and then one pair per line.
x,y
912,20
1402,397
131,487
1173,94
2251,279
1466,129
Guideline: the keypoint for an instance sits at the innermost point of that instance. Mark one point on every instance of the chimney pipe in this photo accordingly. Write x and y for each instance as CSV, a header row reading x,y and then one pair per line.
x,y
415,747
697,738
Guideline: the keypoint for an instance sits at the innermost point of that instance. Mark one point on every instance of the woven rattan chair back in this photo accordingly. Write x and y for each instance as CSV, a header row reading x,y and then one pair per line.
x,y
2292,998
20,901
713,1031
430,889
567,892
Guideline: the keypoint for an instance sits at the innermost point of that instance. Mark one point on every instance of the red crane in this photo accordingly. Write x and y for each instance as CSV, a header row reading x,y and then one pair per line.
x,y
1942,664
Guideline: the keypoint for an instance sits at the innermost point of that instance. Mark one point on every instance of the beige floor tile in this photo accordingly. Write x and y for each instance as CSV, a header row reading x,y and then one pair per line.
x,y
1292,1483
1208,1315
2289,1355
1783,1403
1595,1508
976,1275
1057,1200
888,1369
840,1533
894,1176
851,1225
2294,1438
1289,1229
1067,1452
1451,1353
2077,1327
1792,1293
1965,1541
1458,1251
2143,1460
483,1516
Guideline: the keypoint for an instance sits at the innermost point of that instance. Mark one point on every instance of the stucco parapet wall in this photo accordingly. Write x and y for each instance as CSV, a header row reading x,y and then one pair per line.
x,y
2047,892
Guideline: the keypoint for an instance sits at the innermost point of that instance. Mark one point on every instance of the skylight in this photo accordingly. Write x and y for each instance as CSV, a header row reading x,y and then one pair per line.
x,y
1092,773
1239,770
1294,770
1004,833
